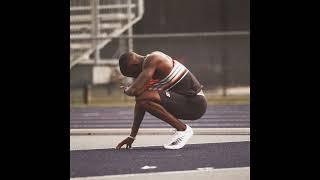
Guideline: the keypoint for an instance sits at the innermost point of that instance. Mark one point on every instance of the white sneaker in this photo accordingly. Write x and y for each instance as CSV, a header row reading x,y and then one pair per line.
x,y
179,139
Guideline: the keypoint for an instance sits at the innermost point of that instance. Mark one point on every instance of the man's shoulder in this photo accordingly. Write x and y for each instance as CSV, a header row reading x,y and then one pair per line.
x,y
156,53
159,54
154,57
158,59
151,60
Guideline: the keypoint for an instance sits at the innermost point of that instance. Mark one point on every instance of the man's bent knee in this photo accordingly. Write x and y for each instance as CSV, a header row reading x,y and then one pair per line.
x,y
142,103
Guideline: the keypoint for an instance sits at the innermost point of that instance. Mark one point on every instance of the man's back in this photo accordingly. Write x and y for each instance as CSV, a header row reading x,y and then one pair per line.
x,y
171,75
164,64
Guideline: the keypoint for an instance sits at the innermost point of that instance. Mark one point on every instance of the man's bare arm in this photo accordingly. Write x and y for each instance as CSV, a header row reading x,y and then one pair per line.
x,y
137,87
139,113
138,117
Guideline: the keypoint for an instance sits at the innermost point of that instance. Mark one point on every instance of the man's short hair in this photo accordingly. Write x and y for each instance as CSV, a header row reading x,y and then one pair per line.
x,y
123,62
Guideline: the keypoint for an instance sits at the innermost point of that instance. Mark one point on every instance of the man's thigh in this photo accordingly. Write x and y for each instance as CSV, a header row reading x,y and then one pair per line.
x,y
174,103
183,107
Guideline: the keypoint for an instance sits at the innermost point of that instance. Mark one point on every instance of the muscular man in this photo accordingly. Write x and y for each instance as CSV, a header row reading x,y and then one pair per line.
x,y
167,90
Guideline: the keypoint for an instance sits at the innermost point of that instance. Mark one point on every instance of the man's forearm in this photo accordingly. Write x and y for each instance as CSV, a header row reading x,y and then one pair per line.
x,y
139,113
137,87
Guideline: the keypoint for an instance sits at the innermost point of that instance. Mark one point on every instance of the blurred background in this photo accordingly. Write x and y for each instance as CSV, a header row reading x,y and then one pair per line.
x,y
210,37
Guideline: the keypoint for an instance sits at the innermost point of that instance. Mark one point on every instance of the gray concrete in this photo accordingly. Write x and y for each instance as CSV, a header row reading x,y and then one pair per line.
x,y
161,131
111,141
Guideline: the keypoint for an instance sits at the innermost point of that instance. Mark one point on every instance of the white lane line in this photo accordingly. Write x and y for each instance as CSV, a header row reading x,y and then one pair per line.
x,y
242,173
205,168
93,114
123,120
148,167
162,131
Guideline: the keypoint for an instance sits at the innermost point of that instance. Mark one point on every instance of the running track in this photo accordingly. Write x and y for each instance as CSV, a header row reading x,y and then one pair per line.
x,y
102,162
216,116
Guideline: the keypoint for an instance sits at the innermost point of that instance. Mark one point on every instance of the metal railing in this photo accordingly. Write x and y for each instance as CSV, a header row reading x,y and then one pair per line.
x,y
220,60
174,35
90,19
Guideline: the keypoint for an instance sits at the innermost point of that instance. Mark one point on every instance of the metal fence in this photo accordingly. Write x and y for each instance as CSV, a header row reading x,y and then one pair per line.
x,y
217,58
220,60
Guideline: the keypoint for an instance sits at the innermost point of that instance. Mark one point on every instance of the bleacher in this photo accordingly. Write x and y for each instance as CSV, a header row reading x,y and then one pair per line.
x,y
93,22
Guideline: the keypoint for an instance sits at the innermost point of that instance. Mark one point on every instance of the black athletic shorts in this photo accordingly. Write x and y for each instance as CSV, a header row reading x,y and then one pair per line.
x,y
184,107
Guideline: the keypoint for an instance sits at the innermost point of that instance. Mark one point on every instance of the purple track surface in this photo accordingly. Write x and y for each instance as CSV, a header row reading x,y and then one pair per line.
x,y
216,116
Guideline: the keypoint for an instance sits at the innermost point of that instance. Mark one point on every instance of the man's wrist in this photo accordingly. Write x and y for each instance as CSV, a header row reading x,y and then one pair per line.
x,y
128,91
131,137
125,90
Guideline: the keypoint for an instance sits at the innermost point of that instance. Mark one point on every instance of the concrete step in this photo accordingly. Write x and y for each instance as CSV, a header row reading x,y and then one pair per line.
x,y
75,36
112,6
113,62
74,27
103,17
80,46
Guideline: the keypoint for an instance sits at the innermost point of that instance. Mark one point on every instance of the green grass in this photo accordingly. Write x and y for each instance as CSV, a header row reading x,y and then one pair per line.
x,y
102,98
229,100
129,102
